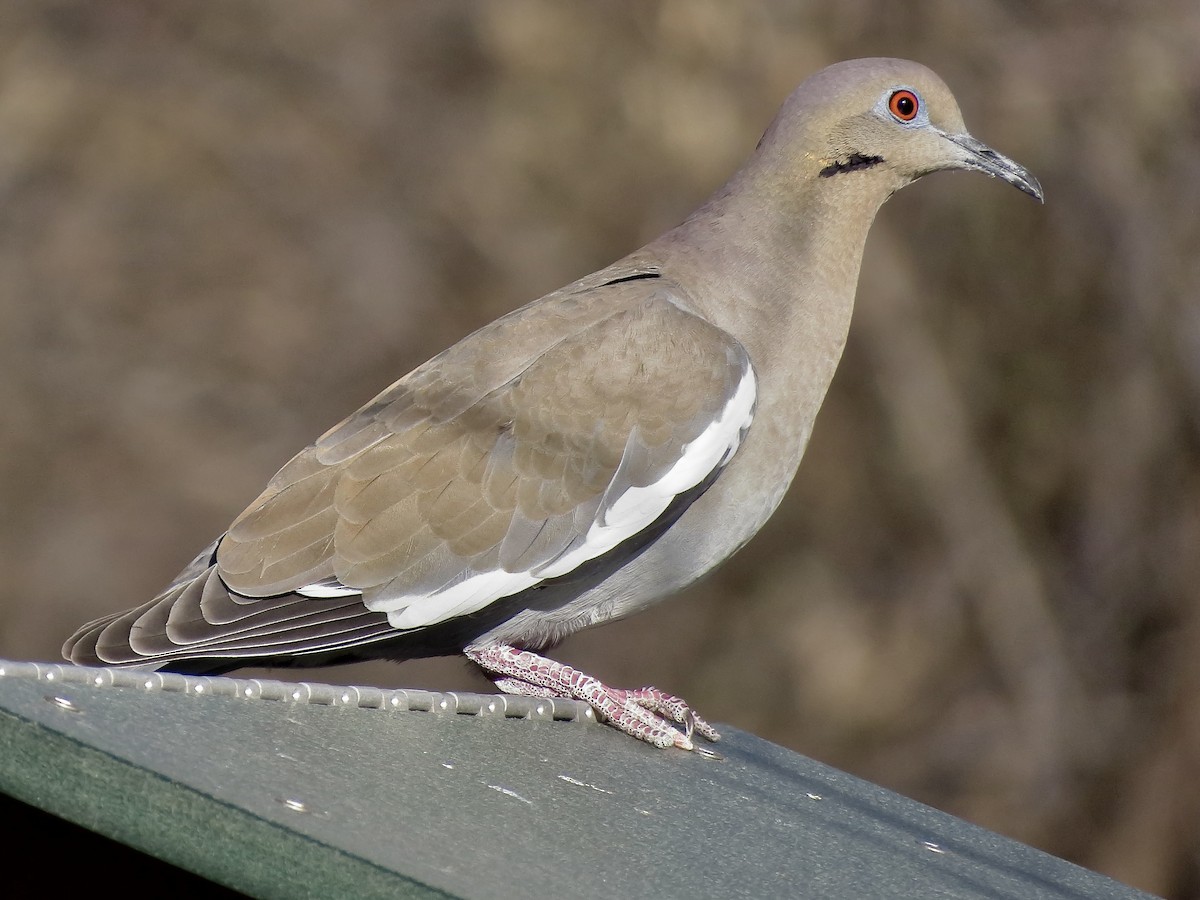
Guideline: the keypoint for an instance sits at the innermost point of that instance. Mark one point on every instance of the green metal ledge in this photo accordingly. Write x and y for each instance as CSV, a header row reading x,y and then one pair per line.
x,y
294,791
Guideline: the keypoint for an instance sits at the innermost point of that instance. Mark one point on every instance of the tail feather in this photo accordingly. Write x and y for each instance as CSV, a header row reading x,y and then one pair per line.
x,y
198,624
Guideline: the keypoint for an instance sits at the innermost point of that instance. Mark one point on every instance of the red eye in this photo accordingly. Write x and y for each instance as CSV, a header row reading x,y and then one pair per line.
x,y
904,105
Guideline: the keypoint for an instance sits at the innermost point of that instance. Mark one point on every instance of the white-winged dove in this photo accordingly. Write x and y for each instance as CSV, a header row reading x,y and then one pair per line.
x,y
586,455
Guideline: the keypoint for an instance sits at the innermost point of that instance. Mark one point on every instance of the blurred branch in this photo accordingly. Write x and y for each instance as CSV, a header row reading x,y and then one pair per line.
x,y
989,559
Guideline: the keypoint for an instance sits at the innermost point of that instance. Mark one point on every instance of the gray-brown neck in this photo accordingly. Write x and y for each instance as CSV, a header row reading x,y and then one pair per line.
x,y
773,258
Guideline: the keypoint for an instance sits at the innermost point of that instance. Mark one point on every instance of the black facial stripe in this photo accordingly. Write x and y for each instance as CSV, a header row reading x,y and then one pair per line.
x,y
640,276
851,163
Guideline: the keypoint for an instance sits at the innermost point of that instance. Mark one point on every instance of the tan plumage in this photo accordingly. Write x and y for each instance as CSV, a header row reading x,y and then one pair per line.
x,y
473,462
459,467
582,456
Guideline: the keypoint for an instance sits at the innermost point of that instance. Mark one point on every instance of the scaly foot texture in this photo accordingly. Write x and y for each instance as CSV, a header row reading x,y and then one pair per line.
x,y
645,713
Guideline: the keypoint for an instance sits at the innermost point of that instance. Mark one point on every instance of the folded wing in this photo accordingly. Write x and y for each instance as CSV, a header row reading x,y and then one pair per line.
x,y
542,442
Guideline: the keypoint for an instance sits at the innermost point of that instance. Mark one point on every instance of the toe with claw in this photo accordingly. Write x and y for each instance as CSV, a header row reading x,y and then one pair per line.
x,y
645,713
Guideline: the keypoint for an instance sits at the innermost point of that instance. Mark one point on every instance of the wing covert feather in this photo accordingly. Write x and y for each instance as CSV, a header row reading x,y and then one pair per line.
x,y
496,462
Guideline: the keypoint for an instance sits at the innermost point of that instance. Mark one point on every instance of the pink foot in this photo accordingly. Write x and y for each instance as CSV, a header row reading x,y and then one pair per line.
x,y
646,713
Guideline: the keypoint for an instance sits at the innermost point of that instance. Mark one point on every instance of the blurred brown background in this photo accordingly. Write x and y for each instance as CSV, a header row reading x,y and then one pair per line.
x,y
223,226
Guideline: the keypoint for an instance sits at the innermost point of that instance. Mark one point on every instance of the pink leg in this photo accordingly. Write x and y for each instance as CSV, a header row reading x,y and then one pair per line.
x,y
525,689
645,713
666,705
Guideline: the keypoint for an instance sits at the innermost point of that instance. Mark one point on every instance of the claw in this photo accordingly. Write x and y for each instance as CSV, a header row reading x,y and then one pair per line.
x,y
646,713
685,742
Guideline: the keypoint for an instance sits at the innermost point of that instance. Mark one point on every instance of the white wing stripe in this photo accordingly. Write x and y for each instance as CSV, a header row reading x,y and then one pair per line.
x,y
327,590
638,507
616,520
